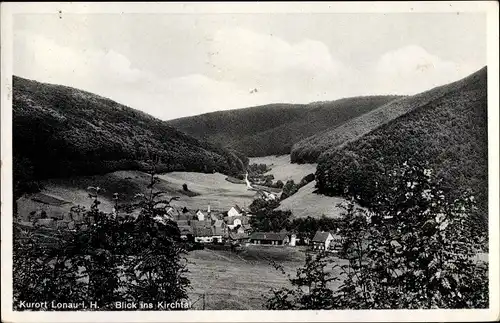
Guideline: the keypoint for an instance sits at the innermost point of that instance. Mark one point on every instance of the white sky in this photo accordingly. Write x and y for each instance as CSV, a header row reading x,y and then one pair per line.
x,y
174,65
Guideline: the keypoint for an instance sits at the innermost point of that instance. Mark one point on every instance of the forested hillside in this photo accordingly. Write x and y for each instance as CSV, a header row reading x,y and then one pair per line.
x,y
62,131
273,129
447,132
310,149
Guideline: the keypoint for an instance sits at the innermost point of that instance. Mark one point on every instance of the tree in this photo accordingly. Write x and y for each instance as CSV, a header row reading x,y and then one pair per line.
x,y
263,205
270,220
185,187
311,286
112,259
412,248
289,189
306,180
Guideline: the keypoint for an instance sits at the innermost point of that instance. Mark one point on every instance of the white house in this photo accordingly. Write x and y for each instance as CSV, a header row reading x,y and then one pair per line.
x,y
234,223
322,240
267,196
234,211
327,241
200,215
206,235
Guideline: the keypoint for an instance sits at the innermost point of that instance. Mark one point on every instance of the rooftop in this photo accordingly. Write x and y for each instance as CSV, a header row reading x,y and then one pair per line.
x,y
47,199
270,236
321,236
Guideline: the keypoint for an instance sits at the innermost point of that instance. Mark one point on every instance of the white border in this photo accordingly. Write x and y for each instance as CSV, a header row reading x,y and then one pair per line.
x,y
488,7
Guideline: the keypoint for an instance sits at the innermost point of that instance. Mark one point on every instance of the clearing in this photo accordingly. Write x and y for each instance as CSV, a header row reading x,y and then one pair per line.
x,y
307,203
204,189
282,169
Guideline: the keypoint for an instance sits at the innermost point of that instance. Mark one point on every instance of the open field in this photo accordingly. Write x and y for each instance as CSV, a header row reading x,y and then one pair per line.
x,y
282,169
207,189
306,203
239,280
213,189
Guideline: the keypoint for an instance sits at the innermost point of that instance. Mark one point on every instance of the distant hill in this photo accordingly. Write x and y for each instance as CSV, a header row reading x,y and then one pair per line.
x,y
445,127
61,131
310,149
273,129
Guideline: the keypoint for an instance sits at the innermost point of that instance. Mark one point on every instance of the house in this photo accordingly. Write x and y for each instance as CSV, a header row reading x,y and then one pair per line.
x,y
203,231
41,205
293,239
234,211
201,224
172,213
238,237
214,217
245,228
326,241
200,215
235,221
267,196
186,232
219,228
202,234
269,238
322,240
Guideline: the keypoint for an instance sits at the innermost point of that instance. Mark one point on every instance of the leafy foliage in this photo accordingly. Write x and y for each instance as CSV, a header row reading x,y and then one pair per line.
x,y
270,220
311,287
291,188
273,129
114,259
413,249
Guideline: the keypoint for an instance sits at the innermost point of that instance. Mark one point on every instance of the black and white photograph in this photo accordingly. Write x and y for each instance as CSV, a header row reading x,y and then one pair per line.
x,y
253,161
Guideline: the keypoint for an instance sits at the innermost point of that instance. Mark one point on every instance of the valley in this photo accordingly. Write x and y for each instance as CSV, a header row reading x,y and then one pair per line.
x,y
393,155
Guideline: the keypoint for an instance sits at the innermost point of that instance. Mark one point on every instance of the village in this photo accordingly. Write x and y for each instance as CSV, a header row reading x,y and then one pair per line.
x,y
203,228
233,228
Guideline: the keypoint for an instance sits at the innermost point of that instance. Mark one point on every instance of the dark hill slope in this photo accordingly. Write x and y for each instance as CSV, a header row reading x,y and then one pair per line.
x,y
448,132
309,149
273,129
62,131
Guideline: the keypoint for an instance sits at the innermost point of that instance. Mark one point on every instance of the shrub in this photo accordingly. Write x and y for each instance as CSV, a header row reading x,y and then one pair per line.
x,y
412,249
289,189
113,259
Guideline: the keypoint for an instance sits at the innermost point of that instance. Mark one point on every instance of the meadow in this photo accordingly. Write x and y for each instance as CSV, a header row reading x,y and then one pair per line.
x,y
282,169
239,281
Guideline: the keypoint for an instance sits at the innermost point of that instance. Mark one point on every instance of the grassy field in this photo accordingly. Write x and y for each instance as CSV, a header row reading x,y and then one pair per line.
x,y
204,189
239,281
213,189
282,169
306,203
303,203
